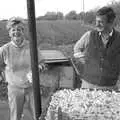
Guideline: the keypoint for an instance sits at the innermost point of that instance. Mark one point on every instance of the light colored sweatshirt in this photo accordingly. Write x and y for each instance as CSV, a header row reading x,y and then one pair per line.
x,y
18,64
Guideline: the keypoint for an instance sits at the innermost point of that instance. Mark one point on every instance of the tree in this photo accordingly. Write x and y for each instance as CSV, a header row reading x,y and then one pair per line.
x,y
60,16
81,16
50,16
72,15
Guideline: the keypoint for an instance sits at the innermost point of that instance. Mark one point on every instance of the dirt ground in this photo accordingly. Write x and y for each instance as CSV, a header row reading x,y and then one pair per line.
x,y
4,112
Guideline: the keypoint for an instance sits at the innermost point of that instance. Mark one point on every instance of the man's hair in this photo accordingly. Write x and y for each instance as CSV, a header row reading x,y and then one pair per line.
x,y
108,12
14,21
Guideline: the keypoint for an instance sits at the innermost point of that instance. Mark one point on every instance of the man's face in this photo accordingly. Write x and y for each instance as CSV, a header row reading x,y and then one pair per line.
x,y
17,34
101,23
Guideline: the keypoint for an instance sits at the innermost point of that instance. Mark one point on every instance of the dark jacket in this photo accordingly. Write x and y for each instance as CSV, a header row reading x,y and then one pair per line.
x,y
102,64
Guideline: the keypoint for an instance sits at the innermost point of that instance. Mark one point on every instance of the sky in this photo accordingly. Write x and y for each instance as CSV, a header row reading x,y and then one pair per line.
x,y
10,8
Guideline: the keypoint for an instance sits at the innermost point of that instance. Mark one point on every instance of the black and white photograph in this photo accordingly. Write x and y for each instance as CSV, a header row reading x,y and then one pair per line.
x,y
60,60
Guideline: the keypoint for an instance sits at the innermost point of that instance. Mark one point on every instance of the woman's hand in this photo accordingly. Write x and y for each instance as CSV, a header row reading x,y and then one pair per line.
x,y
43,67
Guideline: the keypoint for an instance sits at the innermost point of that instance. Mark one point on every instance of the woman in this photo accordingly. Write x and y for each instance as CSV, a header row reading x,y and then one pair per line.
x,y
15,56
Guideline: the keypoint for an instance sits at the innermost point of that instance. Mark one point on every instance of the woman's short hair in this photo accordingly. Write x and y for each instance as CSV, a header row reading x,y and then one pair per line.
x,y
108,12
14,21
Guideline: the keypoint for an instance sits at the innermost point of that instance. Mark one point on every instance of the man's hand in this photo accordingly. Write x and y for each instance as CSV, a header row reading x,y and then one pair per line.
x,y
79,57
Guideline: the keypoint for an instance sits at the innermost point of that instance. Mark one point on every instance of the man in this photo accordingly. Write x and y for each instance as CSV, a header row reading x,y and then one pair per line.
x,y
99,52
15,61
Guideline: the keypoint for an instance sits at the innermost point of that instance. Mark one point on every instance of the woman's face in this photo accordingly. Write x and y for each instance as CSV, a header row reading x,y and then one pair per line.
x,y
17,34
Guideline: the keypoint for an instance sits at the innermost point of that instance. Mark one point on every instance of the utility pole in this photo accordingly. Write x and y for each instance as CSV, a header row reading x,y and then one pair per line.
x,y
83,6
34,57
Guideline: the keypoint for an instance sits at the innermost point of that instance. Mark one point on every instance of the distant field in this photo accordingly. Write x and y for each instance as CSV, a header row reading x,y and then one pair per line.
x,y
52,33
60,32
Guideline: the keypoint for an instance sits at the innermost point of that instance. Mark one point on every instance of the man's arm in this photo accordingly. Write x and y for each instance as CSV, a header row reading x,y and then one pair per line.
x,y
81,45
79,56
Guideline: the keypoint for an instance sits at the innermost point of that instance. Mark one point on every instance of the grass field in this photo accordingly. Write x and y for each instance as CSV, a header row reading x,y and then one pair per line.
x,y
52,33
